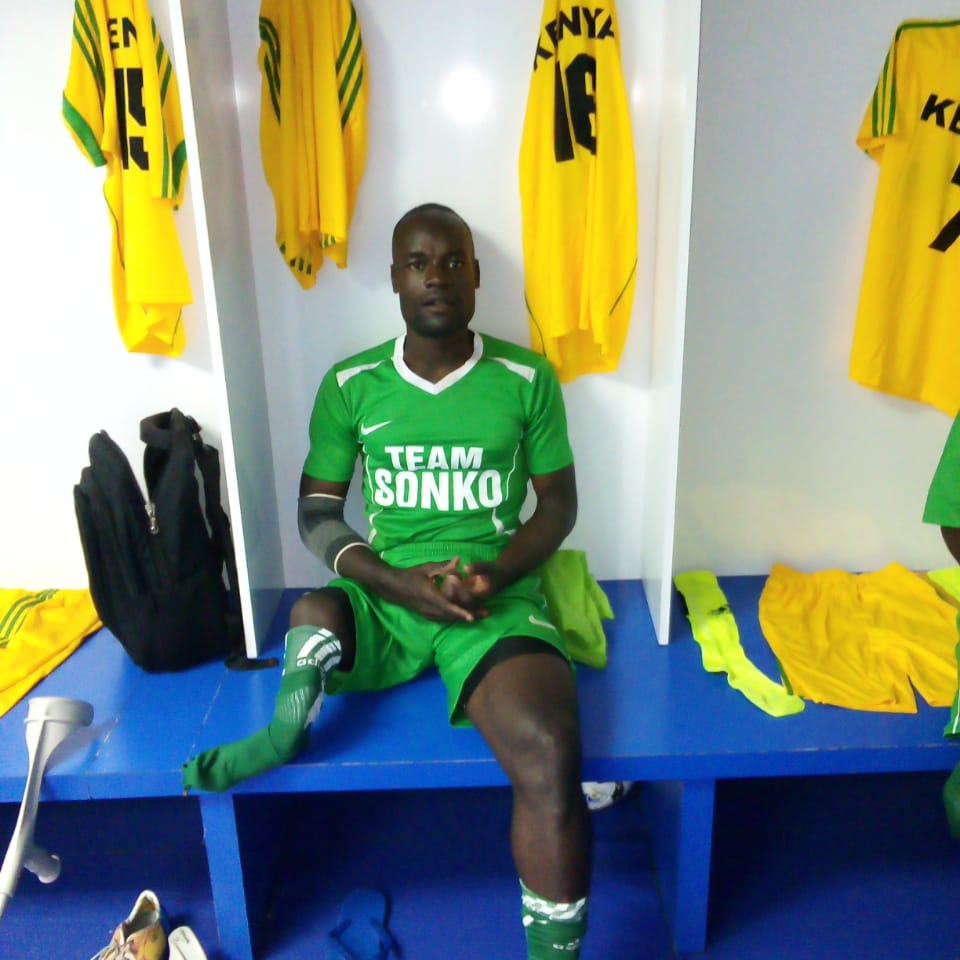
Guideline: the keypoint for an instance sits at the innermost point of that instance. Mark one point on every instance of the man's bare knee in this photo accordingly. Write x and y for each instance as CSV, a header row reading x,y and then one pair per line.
x,y
545,766
310,610
319,608
328,608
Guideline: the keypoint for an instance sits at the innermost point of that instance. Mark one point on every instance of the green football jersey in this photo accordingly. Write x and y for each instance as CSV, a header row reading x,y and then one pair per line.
x,y
445,462
943,498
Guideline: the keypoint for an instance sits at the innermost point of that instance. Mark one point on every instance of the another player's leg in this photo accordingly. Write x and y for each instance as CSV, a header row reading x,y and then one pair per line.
x,y
526,709
320,638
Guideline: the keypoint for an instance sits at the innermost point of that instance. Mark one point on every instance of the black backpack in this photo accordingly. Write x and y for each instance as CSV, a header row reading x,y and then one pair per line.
x,y
155,566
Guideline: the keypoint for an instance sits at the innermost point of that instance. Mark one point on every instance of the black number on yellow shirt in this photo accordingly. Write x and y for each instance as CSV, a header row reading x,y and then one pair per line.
x,y
951,229
128,84
580,114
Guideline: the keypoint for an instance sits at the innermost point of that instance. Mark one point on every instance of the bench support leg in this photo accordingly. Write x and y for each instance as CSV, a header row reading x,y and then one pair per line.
x,y
679,818
221,839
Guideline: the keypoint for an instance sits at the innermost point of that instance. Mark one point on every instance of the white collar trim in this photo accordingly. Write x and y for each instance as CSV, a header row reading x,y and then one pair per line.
x,y
454,376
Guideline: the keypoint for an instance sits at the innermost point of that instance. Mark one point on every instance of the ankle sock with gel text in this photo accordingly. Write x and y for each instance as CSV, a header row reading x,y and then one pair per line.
x,y
553,930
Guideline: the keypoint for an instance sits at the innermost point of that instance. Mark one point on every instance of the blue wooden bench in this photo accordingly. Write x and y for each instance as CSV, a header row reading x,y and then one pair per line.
x,y
653,716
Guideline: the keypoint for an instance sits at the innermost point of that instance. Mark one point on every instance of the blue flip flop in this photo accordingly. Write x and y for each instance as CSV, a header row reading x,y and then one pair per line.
x,y
360,933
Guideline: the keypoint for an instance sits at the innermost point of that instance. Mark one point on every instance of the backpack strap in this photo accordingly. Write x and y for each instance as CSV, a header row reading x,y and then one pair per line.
x,y
155,431
208,459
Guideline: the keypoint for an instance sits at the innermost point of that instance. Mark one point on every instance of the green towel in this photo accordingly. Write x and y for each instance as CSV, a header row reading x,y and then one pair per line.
x,y
577,605
949,579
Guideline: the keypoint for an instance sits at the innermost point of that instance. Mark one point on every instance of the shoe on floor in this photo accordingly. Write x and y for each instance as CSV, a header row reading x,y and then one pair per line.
x,y
142,936
184,945
599,796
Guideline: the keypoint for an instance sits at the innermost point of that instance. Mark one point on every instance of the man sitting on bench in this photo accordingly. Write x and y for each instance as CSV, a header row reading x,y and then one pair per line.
x,y
450,425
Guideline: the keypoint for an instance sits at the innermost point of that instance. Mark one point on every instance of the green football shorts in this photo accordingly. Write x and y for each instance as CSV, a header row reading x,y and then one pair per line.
x,y
395,645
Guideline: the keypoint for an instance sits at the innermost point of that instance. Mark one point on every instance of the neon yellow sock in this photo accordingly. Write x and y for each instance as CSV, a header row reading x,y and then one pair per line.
x,y
715,629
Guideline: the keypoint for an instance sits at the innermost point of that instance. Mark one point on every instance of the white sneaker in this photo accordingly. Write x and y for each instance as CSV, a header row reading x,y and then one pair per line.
x,y
602,795
184,945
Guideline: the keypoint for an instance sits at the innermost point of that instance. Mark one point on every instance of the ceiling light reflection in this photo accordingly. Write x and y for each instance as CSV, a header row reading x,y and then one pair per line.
x,y
466,95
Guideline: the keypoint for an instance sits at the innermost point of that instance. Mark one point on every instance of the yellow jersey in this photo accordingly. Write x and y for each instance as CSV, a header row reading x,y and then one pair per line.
x,y
578,192
121,103
907,335
313,128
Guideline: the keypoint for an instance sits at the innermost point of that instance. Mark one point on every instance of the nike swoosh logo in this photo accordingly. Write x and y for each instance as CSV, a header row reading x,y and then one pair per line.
x,y
366,431
540,623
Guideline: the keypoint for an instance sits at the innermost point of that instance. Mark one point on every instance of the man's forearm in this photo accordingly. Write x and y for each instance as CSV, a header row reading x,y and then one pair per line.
x,y
366,567
323,530
541,536
536,541
415,588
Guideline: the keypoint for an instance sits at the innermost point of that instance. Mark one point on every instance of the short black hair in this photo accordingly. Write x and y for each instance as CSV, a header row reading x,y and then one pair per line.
x,y
429,210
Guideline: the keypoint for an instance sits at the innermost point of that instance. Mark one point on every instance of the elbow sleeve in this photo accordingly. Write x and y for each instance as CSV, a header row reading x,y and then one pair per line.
x,y
323,530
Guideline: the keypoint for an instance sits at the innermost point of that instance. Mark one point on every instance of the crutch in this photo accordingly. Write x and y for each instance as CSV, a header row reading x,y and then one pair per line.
x,y
50,720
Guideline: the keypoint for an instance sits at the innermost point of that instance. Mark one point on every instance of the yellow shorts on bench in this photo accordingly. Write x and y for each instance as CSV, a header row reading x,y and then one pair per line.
x,y
863,641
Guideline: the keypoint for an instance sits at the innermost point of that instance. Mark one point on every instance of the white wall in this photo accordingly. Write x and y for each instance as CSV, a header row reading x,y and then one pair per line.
x,y
73,376
419,150
66,373
782,457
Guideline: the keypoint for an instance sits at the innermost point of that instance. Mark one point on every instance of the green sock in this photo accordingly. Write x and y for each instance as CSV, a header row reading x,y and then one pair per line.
x,y
310,654
553,929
